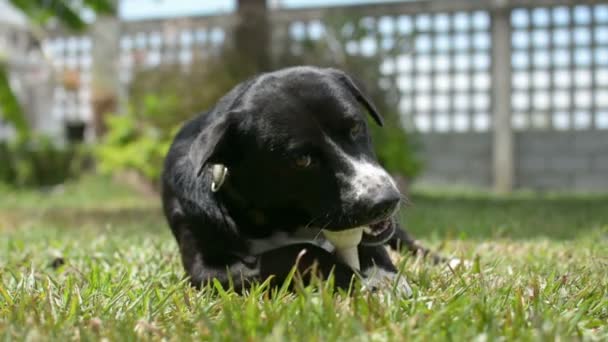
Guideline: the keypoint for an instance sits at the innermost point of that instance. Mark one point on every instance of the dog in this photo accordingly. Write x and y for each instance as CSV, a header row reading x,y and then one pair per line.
x,y
248,186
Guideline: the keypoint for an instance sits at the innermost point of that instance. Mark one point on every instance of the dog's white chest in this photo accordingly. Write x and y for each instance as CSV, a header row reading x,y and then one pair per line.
x,y
282,239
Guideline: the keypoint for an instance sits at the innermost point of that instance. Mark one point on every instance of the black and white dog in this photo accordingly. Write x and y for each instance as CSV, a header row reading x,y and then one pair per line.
x,y
249,185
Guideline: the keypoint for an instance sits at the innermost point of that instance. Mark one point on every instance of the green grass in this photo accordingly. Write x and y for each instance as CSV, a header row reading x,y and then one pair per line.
x,y
540,272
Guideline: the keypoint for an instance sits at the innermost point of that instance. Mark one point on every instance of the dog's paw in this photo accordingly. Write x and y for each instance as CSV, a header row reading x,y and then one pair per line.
x,y
376,278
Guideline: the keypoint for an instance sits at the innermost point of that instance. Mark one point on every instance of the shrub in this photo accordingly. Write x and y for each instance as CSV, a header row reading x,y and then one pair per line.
x,y
38,162
136,142
160,100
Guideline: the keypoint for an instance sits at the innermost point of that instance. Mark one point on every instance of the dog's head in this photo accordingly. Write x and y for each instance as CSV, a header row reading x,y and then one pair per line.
x,y
297,147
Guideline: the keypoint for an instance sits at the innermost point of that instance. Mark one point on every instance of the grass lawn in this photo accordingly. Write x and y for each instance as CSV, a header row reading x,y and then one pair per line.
x,y
540,272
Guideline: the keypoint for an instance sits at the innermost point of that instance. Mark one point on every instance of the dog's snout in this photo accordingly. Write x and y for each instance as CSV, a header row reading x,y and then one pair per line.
x,y
368,194
385,203
377,204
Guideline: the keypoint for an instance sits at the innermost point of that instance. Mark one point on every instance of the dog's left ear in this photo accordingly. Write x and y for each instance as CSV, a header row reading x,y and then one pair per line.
x,y
206,148
209,144
362,98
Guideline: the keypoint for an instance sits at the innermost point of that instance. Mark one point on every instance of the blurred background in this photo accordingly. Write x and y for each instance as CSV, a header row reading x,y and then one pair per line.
x,y
496,129
496,95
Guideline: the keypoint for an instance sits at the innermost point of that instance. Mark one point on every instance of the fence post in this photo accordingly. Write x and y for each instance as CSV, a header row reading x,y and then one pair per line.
x,y
105,52
252,33
503,149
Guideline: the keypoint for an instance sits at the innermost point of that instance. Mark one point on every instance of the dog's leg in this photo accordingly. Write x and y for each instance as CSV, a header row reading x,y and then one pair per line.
x,y
202,268
307,258
379,270
402,240
242,270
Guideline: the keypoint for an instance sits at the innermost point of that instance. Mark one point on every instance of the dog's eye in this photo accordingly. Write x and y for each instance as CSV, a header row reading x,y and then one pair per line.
x,y
303,161
356,130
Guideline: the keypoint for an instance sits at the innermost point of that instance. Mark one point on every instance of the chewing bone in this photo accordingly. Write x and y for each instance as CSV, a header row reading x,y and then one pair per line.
x,y
346,242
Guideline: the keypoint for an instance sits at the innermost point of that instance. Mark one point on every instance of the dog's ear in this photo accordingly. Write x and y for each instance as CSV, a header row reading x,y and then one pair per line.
x,y
206,147
209,143
359,95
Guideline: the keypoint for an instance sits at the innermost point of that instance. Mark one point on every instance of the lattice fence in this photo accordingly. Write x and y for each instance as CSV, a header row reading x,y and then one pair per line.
x,y
71,55
442,75
552,78
560,67
559,61
141,46
445,80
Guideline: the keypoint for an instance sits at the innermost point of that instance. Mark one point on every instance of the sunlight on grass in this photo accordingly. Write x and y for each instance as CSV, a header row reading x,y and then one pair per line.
x,y
104,264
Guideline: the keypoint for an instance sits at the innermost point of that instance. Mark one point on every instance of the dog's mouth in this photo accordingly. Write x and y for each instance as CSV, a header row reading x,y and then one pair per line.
x,y
378,233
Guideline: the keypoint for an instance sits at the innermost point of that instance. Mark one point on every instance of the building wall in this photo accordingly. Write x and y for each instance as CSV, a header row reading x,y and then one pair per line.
x,y
562,160
456,159
544,160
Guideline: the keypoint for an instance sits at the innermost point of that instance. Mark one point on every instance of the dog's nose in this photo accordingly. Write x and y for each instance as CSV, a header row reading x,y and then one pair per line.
x,y
385,203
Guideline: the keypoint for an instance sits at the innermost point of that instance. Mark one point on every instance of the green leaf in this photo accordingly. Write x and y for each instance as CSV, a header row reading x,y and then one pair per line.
x,y
67,12
10,109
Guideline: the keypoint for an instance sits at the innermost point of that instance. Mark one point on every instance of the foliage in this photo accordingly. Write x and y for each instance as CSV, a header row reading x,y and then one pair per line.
x,y
66,12
175,93
37,162
10,110
85,268
161,100
137,140
395,149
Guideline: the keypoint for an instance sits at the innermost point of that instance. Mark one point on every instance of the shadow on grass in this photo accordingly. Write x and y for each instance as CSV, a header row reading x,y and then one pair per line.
x,y
517,218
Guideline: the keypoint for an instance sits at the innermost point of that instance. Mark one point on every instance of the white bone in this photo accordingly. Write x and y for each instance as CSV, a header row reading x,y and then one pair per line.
x,y
346,242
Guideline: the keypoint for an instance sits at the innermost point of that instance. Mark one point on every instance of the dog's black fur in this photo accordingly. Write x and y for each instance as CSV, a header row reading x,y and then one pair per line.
x,y
299,159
